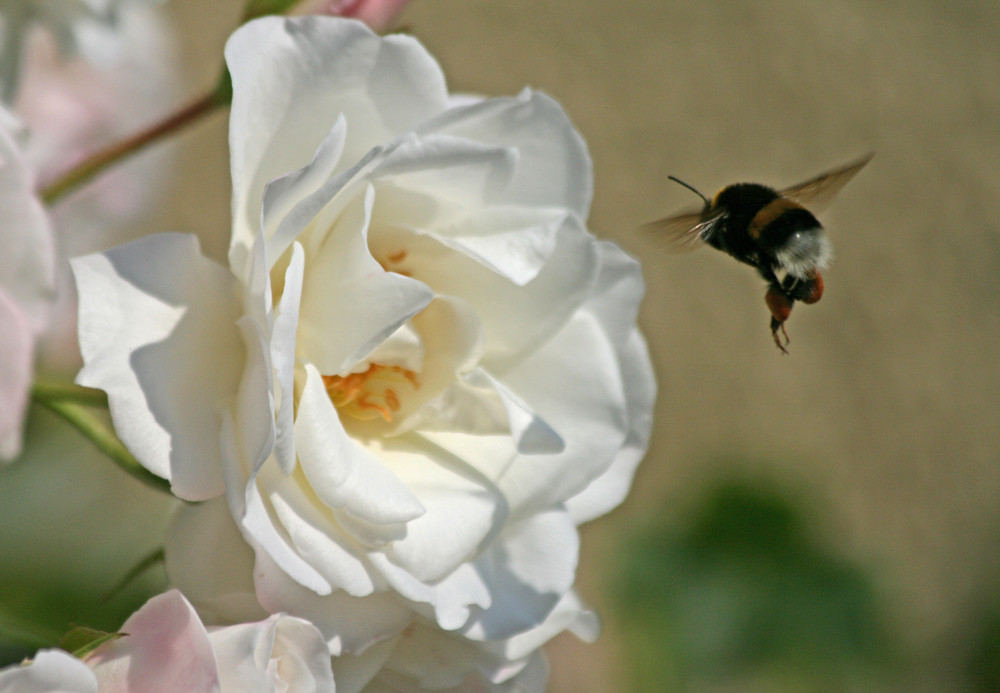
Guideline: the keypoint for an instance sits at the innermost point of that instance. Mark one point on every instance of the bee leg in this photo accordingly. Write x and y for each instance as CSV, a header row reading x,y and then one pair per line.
x,y
780,306
775,325
815,283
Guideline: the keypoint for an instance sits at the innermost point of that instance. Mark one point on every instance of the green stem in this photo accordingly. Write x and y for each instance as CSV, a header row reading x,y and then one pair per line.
x,y
76,393
97,162
155,557
95,430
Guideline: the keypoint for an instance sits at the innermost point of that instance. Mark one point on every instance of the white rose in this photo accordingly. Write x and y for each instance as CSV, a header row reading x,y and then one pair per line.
x,y
420,372
72,109
27,284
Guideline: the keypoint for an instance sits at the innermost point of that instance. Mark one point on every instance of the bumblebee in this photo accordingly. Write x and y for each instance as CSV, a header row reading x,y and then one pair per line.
x,y
767,229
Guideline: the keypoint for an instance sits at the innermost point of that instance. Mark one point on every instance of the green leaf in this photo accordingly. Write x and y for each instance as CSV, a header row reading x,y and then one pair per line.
x,y
742,595
222,92
81,641
259,8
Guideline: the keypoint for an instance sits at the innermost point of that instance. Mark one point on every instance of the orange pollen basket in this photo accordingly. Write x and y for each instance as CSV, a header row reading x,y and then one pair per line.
x,y
370,394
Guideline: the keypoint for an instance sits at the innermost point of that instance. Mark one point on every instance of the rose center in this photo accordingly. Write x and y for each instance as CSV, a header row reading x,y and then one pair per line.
x,y
373,393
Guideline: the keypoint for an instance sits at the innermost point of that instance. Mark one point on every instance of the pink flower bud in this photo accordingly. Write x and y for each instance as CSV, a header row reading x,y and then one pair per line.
x,y
378,14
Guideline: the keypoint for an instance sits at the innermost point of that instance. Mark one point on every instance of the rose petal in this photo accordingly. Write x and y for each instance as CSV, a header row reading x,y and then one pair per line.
x,y
283,359
254,412
569,613
528,570
341,472
608,490
615,303
253,513
461,506
554,166
452,174
280,653
617,292
345,286
579,393
284,194
292,79
514,242
515,318
450,337
449,602
158,334
531,434
349,624
316,537
50,671
428,659
355,671
210,562
166,650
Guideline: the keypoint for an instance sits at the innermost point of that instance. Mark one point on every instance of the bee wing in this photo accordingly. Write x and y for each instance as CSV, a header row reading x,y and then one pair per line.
x,y
685,231
818,192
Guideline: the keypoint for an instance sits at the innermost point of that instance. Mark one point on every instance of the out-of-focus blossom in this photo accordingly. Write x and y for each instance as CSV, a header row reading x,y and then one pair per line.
x,y
82,27
165,648
27,284
71,109
378,14
420,372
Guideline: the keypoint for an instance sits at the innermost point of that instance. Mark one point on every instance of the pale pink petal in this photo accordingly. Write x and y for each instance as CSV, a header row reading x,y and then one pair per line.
x,y
165,650
378,14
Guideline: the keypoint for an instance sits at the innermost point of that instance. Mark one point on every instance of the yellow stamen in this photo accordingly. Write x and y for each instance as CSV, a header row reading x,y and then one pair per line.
x,y
372,393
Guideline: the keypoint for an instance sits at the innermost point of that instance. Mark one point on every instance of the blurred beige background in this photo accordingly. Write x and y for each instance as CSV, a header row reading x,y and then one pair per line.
x,y
885,413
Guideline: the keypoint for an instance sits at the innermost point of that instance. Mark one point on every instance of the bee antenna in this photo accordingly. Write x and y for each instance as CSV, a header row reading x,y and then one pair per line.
x,y
692,189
